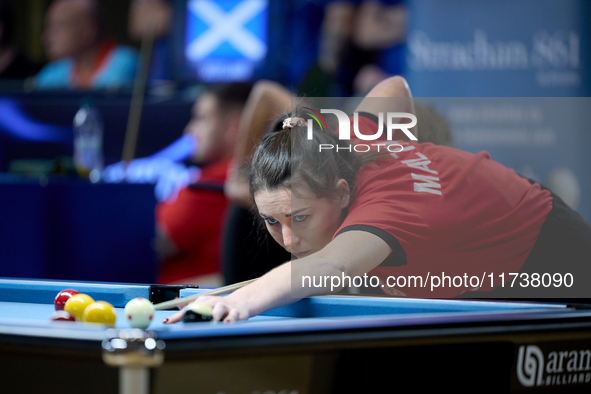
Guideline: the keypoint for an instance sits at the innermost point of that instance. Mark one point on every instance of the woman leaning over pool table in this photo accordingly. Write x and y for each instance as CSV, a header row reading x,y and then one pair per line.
x,y
426,210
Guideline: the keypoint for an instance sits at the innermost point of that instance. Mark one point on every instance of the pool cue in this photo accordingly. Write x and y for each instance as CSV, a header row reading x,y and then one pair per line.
x,y
137,98
218,291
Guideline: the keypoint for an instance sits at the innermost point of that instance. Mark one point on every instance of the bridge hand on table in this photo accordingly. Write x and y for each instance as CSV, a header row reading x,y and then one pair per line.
x,y
224,309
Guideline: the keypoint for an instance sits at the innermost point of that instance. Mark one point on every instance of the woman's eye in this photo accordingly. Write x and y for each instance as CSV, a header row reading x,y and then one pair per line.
x,y
299,218
271,221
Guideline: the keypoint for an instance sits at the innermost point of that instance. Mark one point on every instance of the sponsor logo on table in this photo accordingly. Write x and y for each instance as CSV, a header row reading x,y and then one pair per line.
x,y
555,368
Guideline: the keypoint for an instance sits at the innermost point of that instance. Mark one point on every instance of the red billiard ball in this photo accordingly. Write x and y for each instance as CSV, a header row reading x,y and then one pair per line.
x,y
62,297
62,316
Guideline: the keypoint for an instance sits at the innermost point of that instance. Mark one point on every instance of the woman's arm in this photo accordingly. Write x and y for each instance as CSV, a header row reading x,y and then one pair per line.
x,y
393,87
352,253
391,95
267,101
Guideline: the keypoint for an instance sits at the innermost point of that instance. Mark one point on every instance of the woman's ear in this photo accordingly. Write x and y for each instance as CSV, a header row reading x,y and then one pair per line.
x,y
344,191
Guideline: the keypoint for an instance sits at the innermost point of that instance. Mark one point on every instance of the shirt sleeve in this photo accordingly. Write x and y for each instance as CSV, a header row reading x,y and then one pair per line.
x,y
386,218
121,70
55,75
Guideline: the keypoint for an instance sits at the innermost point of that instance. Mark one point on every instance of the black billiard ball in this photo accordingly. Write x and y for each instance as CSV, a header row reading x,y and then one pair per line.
x,y
197,312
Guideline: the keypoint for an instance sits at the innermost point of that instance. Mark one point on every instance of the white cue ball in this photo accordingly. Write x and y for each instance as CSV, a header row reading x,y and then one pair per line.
x,y
139,313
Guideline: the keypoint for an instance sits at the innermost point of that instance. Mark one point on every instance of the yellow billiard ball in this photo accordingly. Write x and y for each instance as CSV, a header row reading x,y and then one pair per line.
x,y
76,305
100,312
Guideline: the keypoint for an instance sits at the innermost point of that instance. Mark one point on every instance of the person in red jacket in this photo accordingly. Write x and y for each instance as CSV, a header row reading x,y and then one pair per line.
x,y
189,227
417,220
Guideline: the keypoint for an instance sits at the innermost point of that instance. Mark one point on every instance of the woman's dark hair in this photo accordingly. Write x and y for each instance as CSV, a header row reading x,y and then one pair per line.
x,y
286,158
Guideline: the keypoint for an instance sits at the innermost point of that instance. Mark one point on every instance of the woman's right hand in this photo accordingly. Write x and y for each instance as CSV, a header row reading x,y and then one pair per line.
x,y
226,309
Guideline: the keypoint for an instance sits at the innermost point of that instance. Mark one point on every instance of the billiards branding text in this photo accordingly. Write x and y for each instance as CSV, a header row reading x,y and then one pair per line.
x,y
563,367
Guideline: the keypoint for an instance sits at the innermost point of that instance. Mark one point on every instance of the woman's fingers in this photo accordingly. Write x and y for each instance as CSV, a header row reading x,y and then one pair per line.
x,y
232,316
220,311
178,316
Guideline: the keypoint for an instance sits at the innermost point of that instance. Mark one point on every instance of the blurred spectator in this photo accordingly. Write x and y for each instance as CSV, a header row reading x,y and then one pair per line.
x,y
149,14
189,228
13,64
337,27
380,31
380,24
322,45
155,15
82,57
247,252
351,35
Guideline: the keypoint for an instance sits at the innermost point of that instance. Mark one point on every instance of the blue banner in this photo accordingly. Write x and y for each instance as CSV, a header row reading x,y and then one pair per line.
x,y
226,39
499,48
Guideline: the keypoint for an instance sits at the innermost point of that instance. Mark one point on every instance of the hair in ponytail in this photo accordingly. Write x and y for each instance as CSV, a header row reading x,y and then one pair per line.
x,y
286,158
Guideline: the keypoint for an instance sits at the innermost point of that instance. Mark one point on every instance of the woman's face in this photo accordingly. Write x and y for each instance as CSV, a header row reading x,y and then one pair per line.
x,y
303,224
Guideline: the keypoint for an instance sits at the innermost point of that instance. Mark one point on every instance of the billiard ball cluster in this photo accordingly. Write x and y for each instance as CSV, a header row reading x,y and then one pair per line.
x,y
71,305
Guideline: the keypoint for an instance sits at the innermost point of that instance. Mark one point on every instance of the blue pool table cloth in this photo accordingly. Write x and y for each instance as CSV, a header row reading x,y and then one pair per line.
x,y
27,305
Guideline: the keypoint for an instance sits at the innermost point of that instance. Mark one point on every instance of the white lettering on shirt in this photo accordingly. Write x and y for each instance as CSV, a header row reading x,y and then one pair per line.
x,y
422,163
428,186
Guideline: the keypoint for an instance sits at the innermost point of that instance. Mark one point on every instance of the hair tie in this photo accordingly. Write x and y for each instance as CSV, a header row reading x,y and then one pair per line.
x,y
290,123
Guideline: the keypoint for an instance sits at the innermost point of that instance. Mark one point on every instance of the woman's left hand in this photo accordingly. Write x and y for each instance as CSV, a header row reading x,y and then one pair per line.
x,y
226,309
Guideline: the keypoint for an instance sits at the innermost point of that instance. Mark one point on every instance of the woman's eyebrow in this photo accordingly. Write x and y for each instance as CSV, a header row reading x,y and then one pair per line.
x,y
286,215
296,212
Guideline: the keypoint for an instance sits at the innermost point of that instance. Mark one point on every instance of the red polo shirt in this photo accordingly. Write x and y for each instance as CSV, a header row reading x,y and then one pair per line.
x,y
443,210
194,224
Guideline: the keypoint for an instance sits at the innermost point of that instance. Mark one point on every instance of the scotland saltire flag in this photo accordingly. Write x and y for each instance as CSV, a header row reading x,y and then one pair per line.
x,y
226,39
